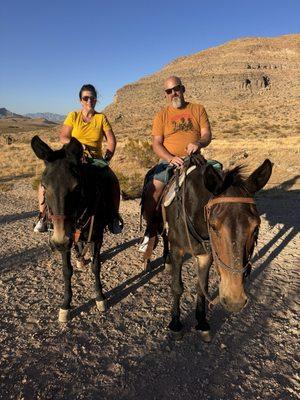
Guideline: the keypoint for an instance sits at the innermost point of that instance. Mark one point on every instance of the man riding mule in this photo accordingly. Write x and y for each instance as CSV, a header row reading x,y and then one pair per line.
x,y
180,129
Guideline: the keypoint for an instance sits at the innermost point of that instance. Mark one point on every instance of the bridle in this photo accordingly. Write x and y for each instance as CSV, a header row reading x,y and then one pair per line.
x,y
207,211
80,222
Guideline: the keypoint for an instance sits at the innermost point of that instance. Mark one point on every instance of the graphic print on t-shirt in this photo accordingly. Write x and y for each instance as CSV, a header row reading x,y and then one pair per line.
x,y
182,122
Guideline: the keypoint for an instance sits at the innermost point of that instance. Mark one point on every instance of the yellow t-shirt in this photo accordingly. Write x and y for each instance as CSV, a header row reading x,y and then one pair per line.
x,y
180,126
89,133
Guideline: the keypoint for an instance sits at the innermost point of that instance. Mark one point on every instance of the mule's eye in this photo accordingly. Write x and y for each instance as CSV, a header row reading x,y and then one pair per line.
x,y
255,232
213,227
76,188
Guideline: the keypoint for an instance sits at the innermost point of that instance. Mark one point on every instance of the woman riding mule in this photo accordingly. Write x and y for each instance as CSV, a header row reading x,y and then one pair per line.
x,y
89,127
77,204
78,196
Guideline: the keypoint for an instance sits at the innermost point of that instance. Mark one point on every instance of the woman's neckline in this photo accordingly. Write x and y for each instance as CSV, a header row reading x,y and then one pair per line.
x,y
85,119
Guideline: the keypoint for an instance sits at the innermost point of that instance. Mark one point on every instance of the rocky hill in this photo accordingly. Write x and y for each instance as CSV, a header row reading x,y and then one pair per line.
x,y
250,87
6,113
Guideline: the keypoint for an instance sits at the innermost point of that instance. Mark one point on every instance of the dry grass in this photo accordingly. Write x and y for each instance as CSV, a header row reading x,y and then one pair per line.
x,y
134,157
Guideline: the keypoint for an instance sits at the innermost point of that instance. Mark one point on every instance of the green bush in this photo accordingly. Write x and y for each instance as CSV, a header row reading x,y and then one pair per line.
x,y
140,151
131,186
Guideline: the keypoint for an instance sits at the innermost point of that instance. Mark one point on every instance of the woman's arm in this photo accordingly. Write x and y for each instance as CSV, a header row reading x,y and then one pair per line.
x,y
111,144
65,134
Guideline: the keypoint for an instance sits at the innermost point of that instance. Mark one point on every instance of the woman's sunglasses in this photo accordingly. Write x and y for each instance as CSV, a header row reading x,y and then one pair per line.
x,y
87,98
175,89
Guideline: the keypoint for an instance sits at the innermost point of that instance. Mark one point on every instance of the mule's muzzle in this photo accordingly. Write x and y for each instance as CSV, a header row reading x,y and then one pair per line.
x,y
60,239
233,306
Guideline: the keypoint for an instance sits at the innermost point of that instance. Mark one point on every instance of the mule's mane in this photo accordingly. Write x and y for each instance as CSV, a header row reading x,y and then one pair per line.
x,y
236,177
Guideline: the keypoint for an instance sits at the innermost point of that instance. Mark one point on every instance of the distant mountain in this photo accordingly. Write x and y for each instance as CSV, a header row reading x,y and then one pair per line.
x,y
6,113
49,116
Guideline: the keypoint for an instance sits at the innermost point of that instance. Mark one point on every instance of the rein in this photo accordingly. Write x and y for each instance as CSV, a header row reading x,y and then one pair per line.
x,y
211,302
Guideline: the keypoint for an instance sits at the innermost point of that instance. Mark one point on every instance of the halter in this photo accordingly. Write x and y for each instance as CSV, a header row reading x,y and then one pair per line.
x,y
207,211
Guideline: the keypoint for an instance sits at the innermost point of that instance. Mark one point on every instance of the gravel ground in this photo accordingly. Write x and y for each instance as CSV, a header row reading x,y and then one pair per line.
x,y
126,353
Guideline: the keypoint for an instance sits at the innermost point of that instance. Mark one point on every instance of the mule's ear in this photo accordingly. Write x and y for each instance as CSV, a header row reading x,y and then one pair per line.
x,y
41,149
259,177
74,150
212,180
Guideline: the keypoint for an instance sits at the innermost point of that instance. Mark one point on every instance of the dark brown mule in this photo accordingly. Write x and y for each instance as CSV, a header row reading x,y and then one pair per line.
x,y
78,201
214,218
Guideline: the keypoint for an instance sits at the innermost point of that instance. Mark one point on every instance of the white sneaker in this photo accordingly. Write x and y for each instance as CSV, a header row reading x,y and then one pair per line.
x,y
143,246
41,226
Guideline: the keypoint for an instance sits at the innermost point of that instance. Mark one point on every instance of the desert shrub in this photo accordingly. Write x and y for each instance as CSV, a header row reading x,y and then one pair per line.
x,y
140,151
131,185
233,116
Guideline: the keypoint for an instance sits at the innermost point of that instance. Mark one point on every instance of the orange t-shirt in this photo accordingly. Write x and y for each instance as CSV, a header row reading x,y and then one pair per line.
x,y
180,126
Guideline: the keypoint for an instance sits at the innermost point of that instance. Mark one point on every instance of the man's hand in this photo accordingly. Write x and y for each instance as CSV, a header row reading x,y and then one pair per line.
x,y
192,148
176,161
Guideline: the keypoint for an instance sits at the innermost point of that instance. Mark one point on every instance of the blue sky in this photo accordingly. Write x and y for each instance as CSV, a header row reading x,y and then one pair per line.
x,y
49,49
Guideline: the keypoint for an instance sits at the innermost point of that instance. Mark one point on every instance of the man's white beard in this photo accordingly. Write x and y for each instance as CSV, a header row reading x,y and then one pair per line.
x,y
177,102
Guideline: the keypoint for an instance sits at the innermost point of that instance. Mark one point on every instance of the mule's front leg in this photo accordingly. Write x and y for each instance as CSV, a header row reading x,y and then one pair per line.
x,y
177,290
96,264
64,312
204,263
166,253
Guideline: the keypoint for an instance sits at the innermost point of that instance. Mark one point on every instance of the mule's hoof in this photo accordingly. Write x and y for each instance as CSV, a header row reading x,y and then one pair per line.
x,y
63,315
147,265
177,336
205,336
101,305
80,264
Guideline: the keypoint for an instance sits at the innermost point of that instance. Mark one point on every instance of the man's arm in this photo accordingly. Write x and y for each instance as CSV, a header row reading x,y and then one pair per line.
x,y
203,141
162,152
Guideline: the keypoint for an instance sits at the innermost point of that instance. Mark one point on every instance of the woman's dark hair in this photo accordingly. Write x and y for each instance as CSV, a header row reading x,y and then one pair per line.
x,y
90,88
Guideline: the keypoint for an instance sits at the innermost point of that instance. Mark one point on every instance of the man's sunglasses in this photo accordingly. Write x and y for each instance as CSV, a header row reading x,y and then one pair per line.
x,y
86,98
175,89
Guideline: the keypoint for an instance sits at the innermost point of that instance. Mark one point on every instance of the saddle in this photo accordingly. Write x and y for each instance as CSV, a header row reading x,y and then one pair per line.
x,y
173,185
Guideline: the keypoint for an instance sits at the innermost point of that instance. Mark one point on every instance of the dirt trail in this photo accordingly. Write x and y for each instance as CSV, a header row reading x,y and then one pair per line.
x,y
126,353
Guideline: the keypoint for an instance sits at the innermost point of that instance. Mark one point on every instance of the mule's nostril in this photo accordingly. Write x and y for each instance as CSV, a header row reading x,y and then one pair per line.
x,y
233,306
223,301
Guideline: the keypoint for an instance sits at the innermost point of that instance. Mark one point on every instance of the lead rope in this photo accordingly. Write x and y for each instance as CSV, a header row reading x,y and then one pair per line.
x,y
211,302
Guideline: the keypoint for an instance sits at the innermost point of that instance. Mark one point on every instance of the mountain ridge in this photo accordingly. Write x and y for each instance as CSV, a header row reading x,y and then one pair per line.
x,y
243,78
